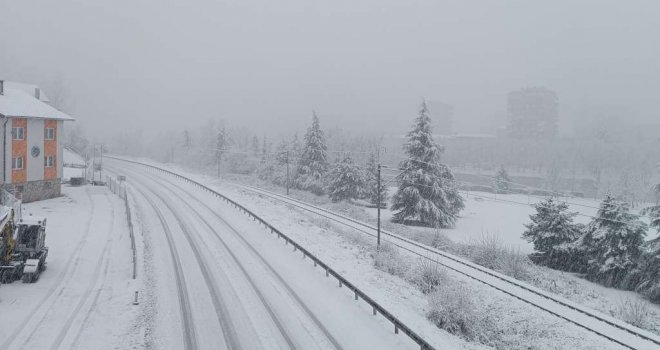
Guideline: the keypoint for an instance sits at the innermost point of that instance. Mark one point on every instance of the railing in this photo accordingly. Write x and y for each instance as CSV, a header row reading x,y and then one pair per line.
x,y
119,188
377,308
9,200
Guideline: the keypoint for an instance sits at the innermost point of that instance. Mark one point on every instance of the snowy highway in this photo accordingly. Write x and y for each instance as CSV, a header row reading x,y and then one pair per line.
x,y
223,282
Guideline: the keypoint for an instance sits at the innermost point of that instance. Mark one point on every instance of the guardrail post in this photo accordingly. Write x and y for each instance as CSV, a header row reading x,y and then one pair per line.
x,y
375,312
356,295
396,329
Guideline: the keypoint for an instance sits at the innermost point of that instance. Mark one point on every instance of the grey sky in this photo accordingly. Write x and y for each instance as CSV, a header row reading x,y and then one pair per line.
x,y
267,64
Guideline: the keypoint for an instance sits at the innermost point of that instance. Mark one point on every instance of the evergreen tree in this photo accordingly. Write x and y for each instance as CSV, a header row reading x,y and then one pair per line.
x,y
264,151
313,161
255,146
220,144
427,191
372,192
649,282
502,181
345,180
550,231
187,140
653,212
612,244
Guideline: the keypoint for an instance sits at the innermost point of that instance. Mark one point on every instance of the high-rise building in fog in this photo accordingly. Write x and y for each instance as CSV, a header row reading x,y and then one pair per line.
x,y
532,113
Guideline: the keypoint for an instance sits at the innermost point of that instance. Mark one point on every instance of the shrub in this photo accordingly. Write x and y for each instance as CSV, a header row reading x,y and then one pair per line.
x,y
388,259
429,275
451,308
632,311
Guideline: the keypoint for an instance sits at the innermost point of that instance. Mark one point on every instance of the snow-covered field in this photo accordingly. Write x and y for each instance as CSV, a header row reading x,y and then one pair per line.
x,y
83,300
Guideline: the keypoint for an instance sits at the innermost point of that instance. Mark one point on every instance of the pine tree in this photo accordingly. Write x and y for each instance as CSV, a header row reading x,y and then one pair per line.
x,y
502,181
264,151
654,211
313,162
372,192
612,244
187,140
255,146
427,191
550,231
345,180
220,144
649,281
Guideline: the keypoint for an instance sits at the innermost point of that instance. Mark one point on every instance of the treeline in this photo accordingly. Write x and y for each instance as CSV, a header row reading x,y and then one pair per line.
x,y
610,250
427,192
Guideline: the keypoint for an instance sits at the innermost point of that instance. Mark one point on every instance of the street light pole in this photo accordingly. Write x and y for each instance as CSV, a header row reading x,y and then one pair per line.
x,y
287,172
378,204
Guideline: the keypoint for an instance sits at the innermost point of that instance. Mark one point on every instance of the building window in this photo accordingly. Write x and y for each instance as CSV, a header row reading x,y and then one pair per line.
x,y
49,161
17,163
18,133
49,134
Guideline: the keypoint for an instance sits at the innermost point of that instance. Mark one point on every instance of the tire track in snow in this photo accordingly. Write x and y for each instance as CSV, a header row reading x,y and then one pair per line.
x,y
188,324
64,277
107,249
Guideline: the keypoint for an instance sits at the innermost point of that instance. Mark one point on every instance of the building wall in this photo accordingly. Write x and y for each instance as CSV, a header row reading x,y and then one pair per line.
x,y
35,181
19,149
60,148
50,149
35,140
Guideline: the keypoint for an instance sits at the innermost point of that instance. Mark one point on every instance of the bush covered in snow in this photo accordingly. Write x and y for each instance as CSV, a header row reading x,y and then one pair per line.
x,y
452,308
388,259
634,312
345,180
551,229
428,275
612,243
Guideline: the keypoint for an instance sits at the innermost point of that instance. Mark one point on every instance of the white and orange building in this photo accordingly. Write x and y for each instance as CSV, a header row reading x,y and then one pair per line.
x,y
31,137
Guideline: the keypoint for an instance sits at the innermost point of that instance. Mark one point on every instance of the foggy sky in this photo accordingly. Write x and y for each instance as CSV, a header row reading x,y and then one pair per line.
x,y
267,64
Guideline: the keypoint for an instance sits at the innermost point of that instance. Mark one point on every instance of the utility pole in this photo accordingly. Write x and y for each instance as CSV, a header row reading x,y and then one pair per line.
x,y
287,172
378,204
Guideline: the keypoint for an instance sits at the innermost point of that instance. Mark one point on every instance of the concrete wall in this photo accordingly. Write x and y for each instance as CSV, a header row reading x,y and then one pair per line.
x,y
35,190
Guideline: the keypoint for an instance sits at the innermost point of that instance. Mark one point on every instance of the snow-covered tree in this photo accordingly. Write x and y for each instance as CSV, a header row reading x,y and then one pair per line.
x,y
345,180
372,191
187,140
264,150
255,146
274,168
313,161
551,229
220,144
502,181
427,192
612,244
649,281
653,212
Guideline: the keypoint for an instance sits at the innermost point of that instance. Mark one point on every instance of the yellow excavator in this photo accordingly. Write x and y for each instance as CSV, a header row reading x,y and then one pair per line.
x,y
22,248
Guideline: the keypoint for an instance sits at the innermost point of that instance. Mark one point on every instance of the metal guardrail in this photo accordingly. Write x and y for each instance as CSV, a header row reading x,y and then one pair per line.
x,y
116,188
377,308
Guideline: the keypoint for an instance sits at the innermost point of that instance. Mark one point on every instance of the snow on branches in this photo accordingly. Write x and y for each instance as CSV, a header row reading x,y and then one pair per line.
x,y
427,192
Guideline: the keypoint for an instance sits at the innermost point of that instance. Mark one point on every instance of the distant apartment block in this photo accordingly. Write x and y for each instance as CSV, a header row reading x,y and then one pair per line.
x,y
532,113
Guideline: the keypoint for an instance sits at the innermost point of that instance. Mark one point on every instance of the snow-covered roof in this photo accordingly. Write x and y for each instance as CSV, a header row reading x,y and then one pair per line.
x,y
18,100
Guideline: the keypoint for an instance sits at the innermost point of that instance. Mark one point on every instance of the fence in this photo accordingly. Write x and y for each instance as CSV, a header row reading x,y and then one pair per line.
x,y
9,200
119,188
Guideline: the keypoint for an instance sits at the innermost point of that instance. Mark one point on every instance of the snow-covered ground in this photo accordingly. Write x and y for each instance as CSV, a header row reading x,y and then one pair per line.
x,y
83,300
240,286
523,326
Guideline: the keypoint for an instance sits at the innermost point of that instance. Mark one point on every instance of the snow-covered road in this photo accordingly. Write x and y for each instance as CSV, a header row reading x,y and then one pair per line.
x,y
82,301
224,282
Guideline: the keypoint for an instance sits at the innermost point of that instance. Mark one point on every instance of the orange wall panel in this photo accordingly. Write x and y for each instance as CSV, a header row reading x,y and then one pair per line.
x,y
50,149
19,149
